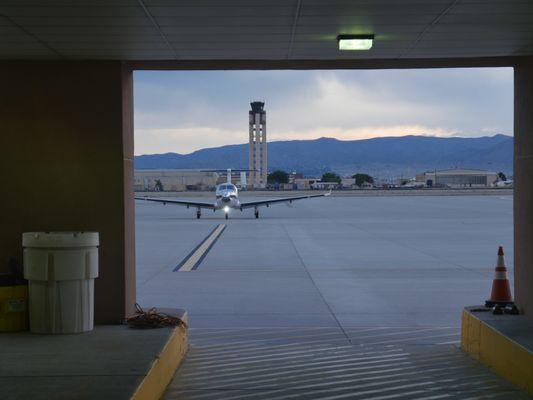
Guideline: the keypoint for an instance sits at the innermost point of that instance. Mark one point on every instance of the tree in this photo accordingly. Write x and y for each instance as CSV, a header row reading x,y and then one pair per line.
x,y
278,177
501,176
331,177
158,187
362,178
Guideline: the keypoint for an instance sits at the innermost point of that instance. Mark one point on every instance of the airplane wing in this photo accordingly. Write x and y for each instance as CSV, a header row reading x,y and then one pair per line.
x,y
179,202
280,200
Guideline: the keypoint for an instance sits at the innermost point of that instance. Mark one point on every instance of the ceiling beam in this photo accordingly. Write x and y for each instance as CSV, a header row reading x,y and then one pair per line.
x,y
406,63
32,35
294,24
158,28
428,28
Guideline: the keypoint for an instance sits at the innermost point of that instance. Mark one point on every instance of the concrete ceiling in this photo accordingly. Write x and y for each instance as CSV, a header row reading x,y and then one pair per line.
x,y
262,29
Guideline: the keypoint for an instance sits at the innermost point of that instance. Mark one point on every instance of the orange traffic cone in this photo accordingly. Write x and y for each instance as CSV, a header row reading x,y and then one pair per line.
x,y
501,290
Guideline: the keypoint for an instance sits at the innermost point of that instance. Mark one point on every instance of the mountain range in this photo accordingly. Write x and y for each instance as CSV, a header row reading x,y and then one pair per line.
x,y
379,157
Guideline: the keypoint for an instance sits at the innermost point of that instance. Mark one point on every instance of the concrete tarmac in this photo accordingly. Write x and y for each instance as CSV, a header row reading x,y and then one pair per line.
x,y
337,261
330,298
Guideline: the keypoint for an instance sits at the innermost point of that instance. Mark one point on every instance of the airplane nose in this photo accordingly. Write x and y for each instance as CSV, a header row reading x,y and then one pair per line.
x,y
226,199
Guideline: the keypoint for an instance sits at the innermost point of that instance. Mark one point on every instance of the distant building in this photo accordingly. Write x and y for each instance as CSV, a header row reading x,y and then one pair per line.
x,y
295,175
348,183
458,178
304,183
325,185
257,145
286,186
174,180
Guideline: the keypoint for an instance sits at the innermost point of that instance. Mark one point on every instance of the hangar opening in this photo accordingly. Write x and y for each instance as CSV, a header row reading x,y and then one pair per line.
x,y
303,196
414,208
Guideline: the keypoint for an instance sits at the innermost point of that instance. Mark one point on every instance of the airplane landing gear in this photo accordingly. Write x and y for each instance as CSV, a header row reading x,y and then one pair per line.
x,y
256,213
198,214
226,215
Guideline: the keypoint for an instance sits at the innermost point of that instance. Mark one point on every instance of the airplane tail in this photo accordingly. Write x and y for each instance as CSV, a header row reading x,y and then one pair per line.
x,y
243,175
229,171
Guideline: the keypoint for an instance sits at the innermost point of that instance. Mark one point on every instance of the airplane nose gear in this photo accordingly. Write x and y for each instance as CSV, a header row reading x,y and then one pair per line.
x,y
226,215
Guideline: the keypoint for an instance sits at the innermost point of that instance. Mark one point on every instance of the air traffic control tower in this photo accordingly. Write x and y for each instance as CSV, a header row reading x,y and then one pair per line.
x,y
258,145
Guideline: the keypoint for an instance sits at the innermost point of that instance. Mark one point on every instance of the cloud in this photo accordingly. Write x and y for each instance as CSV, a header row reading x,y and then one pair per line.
x,y
185,111
337,104
366,132
184,140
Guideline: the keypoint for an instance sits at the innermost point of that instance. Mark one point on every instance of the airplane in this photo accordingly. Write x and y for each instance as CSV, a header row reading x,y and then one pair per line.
x,y
227,197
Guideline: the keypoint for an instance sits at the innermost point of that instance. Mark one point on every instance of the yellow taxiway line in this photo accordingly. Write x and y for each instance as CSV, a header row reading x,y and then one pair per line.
x,y
196,256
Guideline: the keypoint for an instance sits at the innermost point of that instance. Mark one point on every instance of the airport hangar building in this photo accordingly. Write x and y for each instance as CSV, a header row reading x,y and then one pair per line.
x,y
458,178
66,112
174,179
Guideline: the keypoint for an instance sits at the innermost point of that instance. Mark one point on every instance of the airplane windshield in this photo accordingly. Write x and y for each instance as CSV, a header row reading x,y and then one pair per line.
x,y
227,187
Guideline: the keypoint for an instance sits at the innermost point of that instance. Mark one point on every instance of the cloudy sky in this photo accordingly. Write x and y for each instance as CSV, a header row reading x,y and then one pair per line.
x,y
185,111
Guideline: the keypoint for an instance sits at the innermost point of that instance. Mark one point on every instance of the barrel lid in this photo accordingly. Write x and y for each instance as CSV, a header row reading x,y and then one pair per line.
x,y
60,239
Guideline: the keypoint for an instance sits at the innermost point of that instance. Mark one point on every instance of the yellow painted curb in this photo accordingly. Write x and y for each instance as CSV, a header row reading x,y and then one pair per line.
x,y
163,367
501,354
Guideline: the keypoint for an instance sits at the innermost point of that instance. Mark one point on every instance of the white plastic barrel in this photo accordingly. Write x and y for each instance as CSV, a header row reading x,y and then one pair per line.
x,y
61,268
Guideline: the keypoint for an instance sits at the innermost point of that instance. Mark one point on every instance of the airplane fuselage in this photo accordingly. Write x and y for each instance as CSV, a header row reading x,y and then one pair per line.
x,y
227,195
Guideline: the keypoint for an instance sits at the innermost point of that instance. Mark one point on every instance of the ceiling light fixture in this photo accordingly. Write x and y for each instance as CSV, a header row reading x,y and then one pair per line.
x,y
355,42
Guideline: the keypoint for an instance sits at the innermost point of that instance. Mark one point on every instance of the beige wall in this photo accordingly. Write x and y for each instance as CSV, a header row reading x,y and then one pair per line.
x,y
175,180
523,187
66,145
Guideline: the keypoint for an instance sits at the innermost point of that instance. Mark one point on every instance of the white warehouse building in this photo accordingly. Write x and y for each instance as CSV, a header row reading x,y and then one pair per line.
x,y
458,178
174,180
